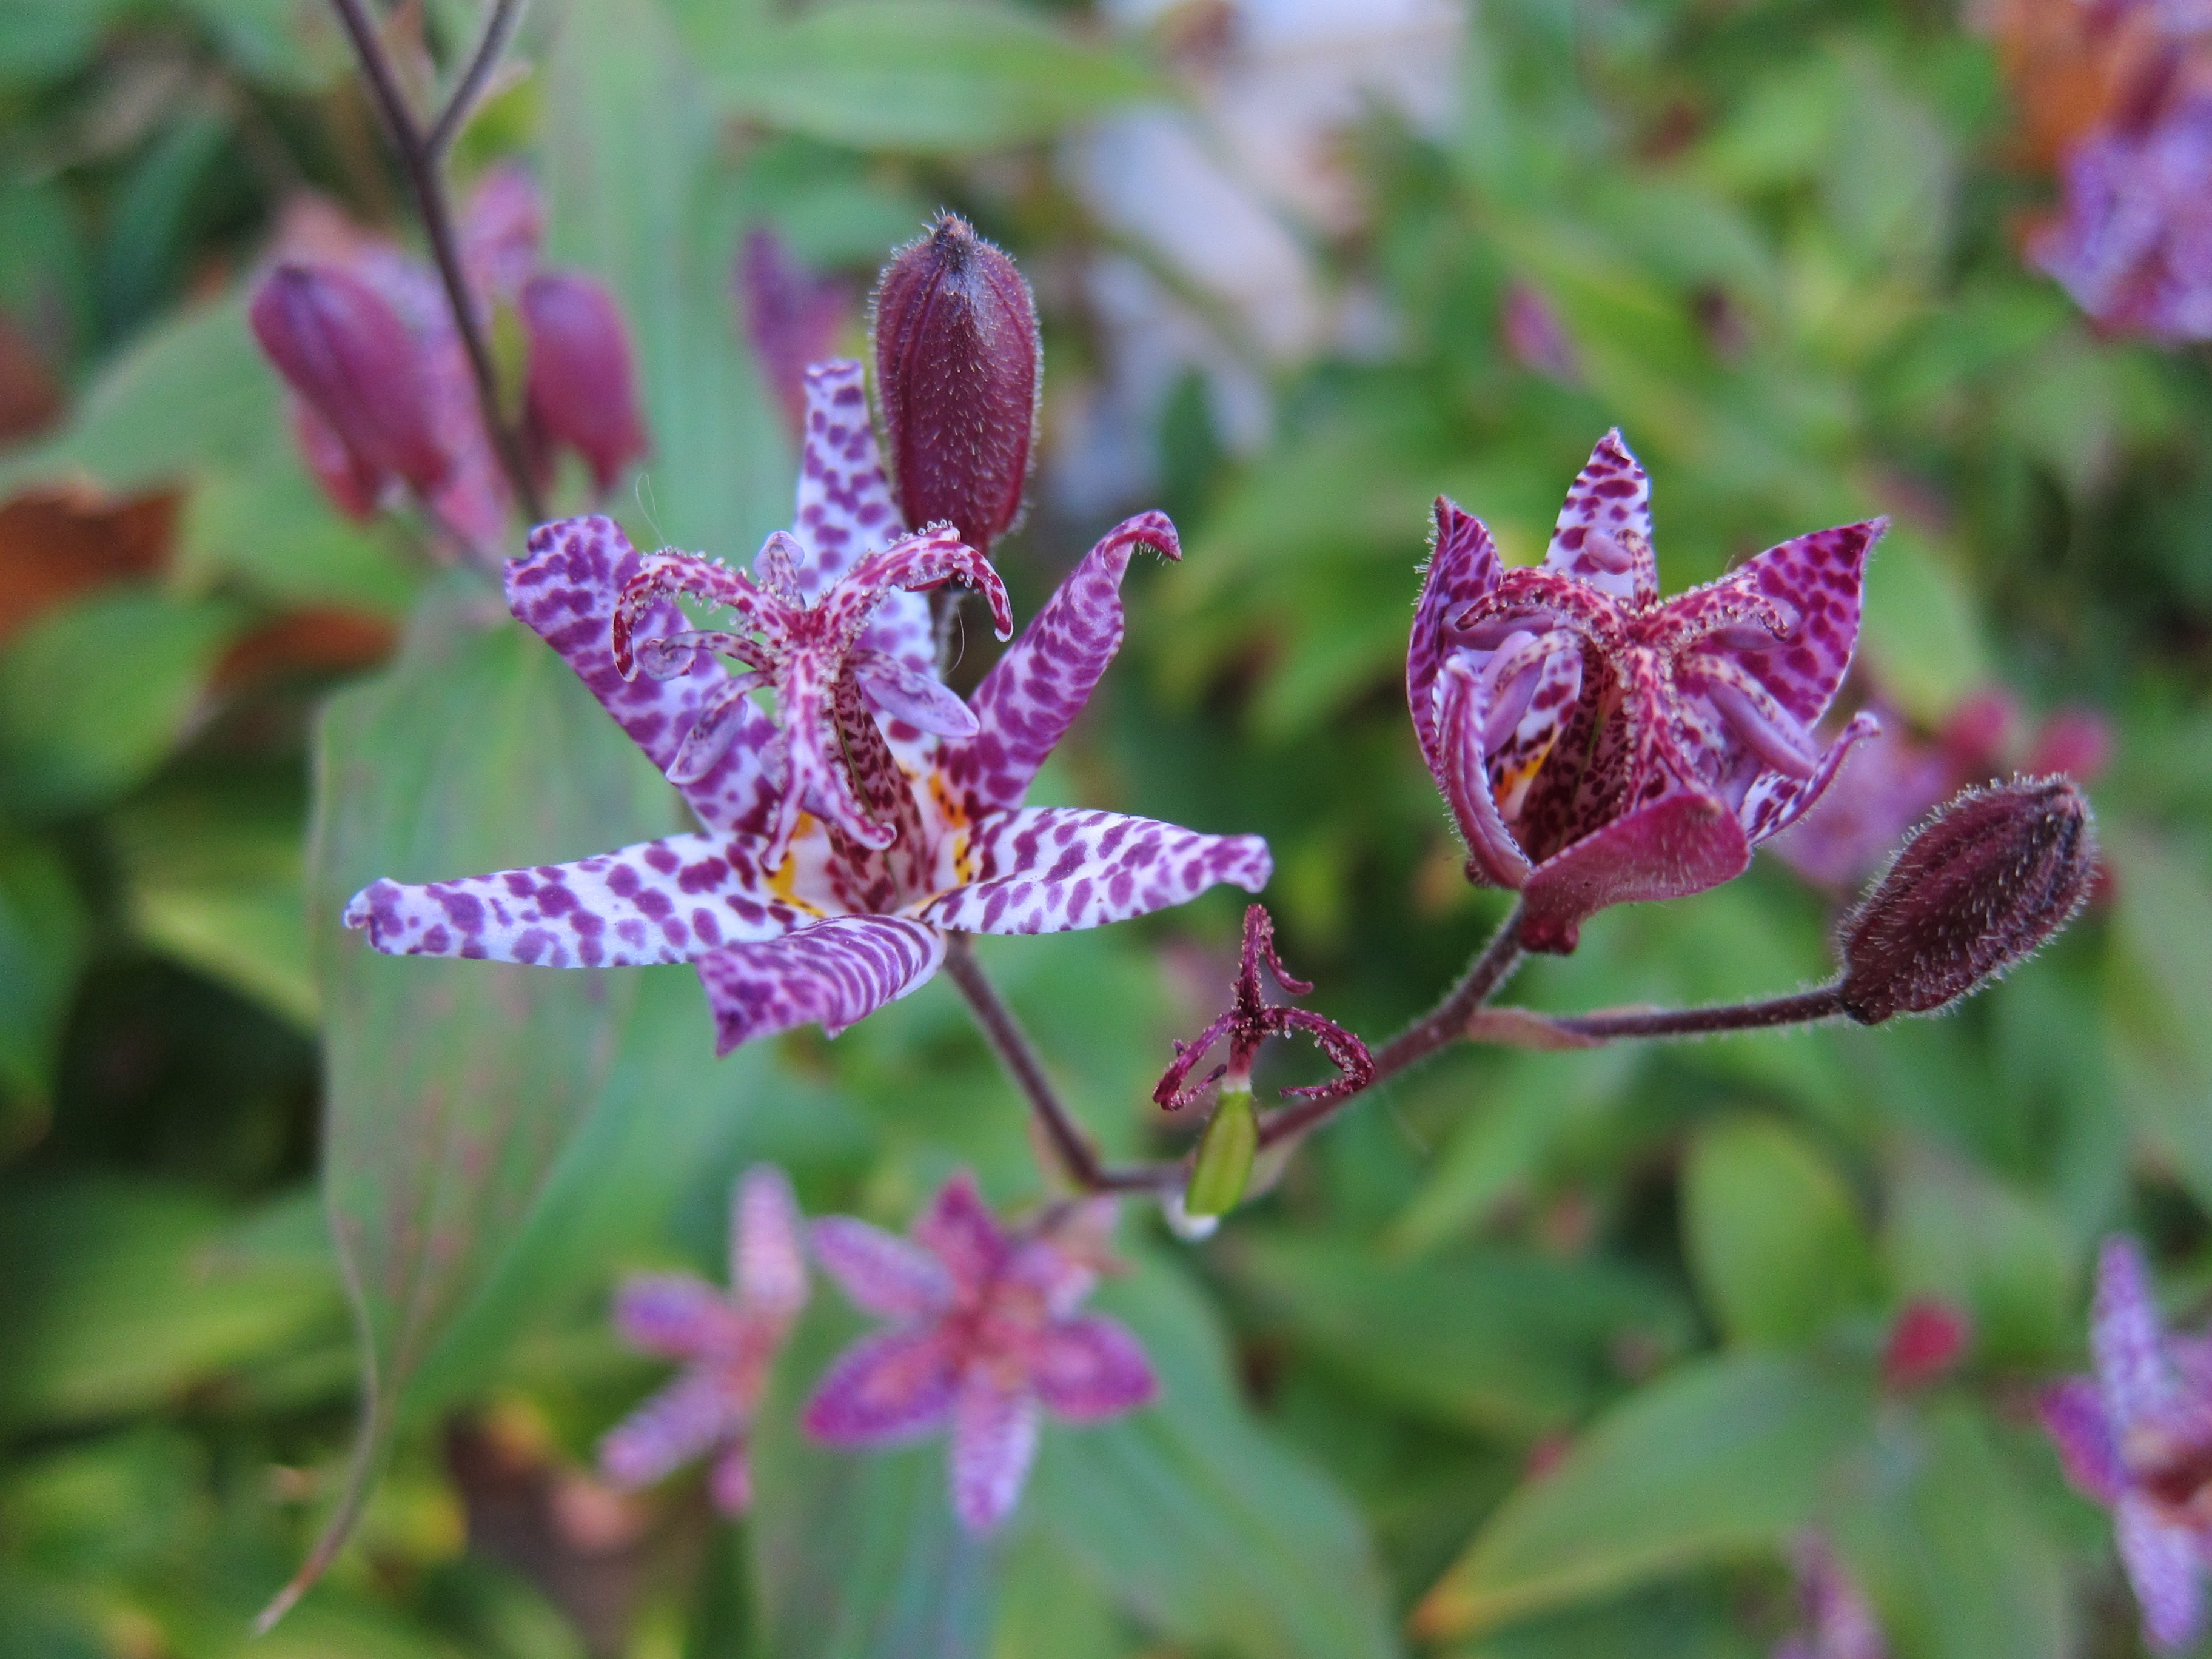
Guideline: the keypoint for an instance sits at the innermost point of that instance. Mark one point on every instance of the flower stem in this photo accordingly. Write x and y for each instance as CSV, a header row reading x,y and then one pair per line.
x,y
1440,1027
1078,1158
498,30
419,159
1802,1008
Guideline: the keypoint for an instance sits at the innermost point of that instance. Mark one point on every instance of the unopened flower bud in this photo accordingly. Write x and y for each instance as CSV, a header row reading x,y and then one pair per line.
x,y
580,389
1977,889
347,353
1225,1151
958,368
792,317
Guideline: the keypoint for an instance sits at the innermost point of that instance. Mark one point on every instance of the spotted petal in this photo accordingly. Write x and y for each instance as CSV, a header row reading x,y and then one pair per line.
x,y
832,974
2073,1414
565,590
767,1247
691,1416
1603,536
2126,1338
1092,1368
1050,869
2165,1564
893,1385
1680,844
664,901
844,507
880,1272
995,1439
1035,691
1816,580
1775,801
959,1229
677,1315
1463,567
1493,856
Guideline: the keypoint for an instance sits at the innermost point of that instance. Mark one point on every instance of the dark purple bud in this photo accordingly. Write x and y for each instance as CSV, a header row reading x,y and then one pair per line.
x,y
344,351
580,390
1977,889
792,317
958,368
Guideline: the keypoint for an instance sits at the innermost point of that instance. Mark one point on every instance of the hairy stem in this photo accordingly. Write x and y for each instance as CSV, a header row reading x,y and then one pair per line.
x,y
1439,1028
1802,1008
1078,1158
426,182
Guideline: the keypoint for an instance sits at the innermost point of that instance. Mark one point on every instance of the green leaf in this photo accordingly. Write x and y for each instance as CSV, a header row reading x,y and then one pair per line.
x,y
1719,1460
214,881
1772,1234
1923,636
1941,1533
1498,1341
1957,1232
94,695
2157,991
638,193
118,1297
910,75
857,1554
1198,1523
42,944
452,1086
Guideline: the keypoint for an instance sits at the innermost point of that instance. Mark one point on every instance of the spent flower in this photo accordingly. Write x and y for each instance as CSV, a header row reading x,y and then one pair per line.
x,y
2137,1437
836,852
1598,744
984,1339
580,389
726,1341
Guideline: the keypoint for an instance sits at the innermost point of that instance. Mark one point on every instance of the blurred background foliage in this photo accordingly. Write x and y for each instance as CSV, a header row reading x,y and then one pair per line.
x,y
1530,1355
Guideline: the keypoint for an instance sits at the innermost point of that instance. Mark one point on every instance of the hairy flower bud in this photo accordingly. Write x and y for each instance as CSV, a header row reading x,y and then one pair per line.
x,y
1977,889
580,389
958,367
347,353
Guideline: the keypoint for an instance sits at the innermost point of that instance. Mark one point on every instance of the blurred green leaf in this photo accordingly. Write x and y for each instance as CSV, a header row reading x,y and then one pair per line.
x,y
452,1086
216,882
948,75
636,193
1939,1530
42,935
118,1296
1922,639
1502,1341
1197,1522
1956,1232
857,1554
94,695
1772,1233
1718,1460
43,40
2158,985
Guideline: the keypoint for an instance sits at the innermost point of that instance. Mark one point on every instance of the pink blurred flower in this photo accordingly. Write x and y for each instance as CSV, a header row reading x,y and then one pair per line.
x,y
727,1342
984,1340
1837,1622
792,317
1535,337
2137,1437
1598,746
2133,240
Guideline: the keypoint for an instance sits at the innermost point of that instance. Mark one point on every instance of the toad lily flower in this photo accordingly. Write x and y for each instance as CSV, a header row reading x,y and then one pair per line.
x,y
2137,1438
835,854
1598,746
986,1339
727,1344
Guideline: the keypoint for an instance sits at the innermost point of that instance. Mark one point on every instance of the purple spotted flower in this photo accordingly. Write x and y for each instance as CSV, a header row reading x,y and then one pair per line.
x,y
1598,744
2132,242
836,852
2137,1437
1837,1622
726,1344
984,1340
